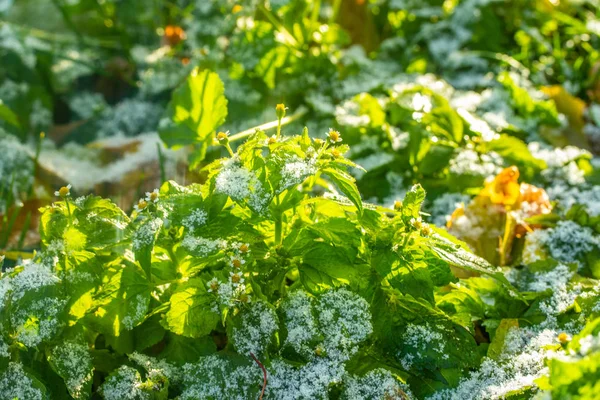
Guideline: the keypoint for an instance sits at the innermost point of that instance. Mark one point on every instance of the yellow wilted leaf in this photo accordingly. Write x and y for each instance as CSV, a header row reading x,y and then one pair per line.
x,y
571,106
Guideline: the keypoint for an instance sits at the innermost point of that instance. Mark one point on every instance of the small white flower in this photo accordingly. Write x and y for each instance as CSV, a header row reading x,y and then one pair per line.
x,y
334,136
237,262
141,205
236,278
213,285
63,191
152,197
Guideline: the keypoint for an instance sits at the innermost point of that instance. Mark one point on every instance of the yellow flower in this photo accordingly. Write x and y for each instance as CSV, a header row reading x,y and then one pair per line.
x,y
504,189
141,205
223,137
280,110
63,191
334,136
563,337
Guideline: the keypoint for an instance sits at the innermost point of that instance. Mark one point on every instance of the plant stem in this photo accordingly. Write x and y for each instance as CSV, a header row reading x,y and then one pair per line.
x,y
336,11
262,367
69,21
278,25
269,125
278,229
229,150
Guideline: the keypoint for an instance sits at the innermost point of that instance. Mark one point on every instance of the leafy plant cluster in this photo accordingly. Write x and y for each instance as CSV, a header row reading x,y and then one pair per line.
x,y
301,259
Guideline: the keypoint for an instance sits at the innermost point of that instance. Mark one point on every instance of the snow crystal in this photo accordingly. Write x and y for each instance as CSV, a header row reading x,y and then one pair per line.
x,y
257,327
295,171
15,384
376,384
300,322
196,219
240,184
202,245
124,383
345,321
144,235
469,162
214,377
568,241
75,360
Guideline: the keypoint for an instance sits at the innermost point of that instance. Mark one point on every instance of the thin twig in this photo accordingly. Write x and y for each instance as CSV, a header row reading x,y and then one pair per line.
x,y
262,393
269,125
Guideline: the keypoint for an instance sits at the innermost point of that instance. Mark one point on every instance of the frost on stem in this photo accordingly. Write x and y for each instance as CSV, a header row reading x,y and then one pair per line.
x,y
256,329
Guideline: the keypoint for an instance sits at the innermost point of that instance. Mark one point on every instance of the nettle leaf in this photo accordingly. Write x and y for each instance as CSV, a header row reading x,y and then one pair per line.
x,y
269,65
346,183
420,336
325,266
457,256
411,205
196,110
180,350
123,300
190,311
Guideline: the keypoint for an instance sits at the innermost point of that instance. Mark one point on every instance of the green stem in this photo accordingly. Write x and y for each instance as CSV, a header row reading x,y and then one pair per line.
x,y
278,229
229,150
69,21
277,24
336,11
278,128
269,125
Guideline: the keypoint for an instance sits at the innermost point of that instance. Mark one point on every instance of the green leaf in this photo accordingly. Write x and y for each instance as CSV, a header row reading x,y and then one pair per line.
x,y
196,110
7,115
411,205
456,255
497,346
347,186
123,300
325,266
268,65
190,313
516,152
180,349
